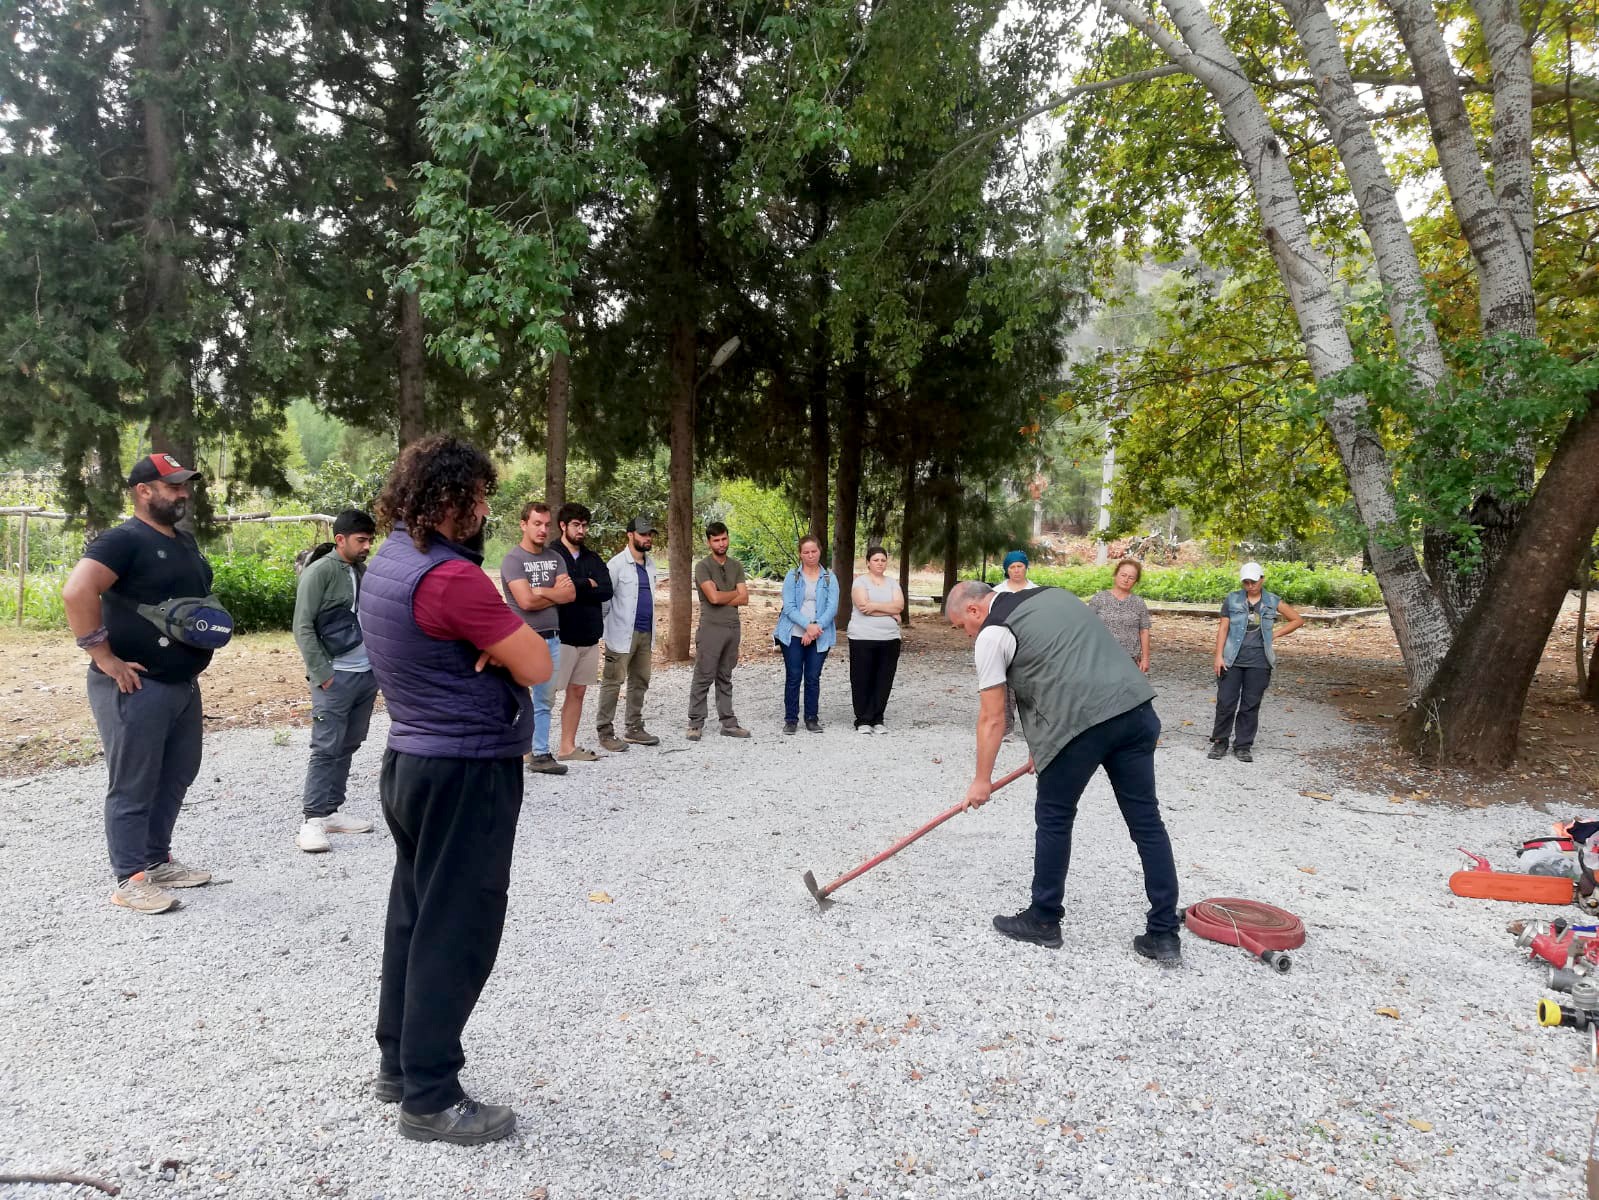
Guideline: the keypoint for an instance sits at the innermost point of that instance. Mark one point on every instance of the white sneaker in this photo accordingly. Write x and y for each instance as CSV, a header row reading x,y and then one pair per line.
x,y
880,729
339,823
313,838
863,729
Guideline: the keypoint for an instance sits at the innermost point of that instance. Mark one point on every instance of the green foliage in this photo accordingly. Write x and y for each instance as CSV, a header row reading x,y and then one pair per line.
x,y
764,528
334,486
1298,584
259,592
1460,440
42,607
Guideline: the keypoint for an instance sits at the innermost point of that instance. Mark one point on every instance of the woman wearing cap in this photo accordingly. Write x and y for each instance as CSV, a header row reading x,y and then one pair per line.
x,y
1245,658
1124,614
805,633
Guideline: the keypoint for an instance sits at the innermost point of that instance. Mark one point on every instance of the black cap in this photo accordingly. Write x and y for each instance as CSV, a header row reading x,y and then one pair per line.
x,y
163,467
641,524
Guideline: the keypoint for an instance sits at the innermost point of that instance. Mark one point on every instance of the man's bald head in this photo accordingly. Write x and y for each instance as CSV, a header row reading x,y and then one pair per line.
x,y
967,605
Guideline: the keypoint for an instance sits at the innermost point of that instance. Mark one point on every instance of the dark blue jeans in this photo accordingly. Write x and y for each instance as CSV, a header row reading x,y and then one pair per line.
x,y
800,660
1125,747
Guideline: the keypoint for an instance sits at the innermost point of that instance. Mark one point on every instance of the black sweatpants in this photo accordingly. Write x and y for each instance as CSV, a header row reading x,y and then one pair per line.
x,y
454,822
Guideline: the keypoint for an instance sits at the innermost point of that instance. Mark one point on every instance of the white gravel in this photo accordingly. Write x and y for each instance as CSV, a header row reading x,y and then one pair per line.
x,y
710,1033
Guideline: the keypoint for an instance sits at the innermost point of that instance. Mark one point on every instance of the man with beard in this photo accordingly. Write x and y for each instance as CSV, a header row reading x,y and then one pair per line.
x,y
340,674
142,683
455,665
581,624
629,639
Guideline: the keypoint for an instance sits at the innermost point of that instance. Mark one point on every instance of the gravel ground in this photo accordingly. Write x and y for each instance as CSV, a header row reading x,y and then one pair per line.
x,y
708,1032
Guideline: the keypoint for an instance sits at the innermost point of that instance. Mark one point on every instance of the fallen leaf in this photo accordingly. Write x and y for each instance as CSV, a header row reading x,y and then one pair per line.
x,y
1388,1012
1316,795
1308,870
1041,1121
600,898
1421,1126
668,1154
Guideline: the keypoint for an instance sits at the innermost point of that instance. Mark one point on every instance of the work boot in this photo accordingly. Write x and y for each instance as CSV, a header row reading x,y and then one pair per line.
x,y
641,737
609,741
812,726
1218,749
1242,754
1164,948
388,1087
694,733
790,726
172,873
465,1123
734,731
1025,927
142,896
545,764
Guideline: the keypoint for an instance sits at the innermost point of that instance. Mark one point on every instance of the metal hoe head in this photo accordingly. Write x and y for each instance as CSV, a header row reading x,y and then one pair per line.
x,y
821,898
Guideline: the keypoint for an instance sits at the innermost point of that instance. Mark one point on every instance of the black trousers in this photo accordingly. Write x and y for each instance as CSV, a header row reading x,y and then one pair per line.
x,y
871,678
454,822
1238,696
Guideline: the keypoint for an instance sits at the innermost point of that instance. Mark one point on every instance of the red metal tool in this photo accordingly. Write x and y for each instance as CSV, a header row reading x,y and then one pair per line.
x,y
822,893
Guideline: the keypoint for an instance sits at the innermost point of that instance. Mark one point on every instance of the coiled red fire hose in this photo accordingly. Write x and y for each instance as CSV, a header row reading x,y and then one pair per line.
x,y
1262,929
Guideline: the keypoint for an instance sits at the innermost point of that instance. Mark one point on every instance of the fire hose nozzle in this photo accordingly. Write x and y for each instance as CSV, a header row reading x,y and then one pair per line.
x,y
1563,979
1551,1014
1277,961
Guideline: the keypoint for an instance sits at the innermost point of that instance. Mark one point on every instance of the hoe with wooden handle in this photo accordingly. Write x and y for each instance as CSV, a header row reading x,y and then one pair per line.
x,y
822,893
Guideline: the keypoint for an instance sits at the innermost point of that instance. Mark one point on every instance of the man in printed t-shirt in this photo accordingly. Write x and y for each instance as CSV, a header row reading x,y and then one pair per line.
x,y
534,578
143,687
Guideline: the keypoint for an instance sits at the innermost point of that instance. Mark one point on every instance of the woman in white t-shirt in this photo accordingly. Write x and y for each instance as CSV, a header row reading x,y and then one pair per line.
x,y
874,640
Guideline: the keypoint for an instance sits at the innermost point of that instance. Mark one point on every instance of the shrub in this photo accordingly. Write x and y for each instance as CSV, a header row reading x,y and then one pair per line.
x,y
258,592
1313,587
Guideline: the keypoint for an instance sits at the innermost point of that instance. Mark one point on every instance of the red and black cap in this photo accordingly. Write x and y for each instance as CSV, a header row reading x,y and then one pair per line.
x,y
160,467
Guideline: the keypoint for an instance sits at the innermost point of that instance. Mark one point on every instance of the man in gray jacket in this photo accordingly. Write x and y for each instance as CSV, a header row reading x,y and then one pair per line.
x,y
336,664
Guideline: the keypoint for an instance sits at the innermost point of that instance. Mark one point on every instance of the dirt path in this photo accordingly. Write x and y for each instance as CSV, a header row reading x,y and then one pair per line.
x,y
258,681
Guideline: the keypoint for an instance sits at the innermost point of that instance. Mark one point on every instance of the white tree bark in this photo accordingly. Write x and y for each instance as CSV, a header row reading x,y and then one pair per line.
x,y
1510,52
1418,618
1373,188
1504,271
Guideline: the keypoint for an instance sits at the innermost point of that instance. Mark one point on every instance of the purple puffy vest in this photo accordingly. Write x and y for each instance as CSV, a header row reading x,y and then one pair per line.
x,y
439,707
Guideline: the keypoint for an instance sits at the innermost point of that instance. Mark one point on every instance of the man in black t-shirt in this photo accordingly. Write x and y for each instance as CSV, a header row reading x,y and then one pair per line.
x,y
142,683
582,622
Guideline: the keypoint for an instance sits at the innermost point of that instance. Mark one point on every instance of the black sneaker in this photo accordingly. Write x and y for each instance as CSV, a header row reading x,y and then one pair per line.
x,y
389,1088
813,726
465,1123
1164,948
790,726
1217,750
1024,927
545,764
1242,754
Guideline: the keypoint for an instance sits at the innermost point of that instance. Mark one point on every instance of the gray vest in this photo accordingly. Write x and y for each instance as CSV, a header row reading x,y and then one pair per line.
x,y
1068,674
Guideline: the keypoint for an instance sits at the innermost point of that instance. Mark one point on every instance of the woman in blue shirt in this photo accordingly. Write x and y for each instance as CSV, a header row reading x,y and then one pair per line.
x,y
805,632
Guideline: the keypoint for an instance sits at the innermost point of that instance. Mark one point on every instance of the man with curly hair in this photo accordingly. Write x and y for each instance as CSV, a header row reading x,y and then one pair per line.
x,y
455,665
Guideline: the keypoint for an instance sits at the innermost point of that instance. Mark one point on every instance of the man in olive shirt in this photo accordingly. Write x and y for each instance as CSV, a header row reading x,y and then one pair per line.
x,y
720,581
1083,705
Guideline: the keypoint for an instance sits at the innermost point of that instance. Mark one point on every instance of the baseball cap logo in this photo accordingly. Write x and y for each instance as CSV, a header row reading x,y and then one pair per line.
x,y
172,463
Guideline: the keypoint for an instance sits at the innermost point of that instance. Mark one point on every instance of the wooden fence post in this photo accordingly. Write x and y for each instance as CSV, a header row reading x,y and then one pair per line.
x,y
22,572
